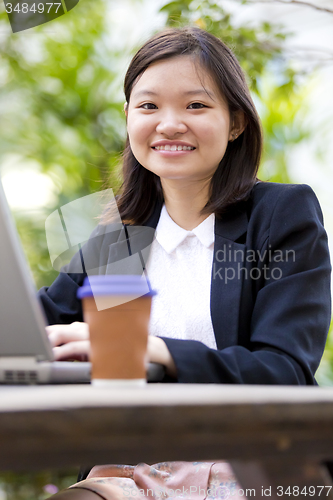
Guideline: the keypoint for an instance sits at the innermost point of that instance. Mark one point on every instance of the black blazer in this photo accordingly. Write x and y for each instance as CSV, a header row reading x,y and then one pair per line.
x,y
270,289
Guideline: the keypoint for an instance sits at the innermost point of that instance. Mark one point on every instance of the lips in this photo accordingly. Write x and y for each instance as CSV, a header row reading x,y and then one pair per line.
x,y
171,143
167,147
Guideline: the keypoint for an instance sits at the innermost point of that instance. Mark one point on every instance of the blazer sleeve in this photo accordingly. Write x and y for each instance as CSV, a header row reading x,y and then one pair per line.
x,y
291,315
59,300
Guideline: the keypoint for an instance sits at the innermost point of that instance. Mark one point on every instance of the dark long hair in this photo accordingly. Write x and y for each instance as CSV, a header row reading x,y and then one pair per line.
x,y
236,173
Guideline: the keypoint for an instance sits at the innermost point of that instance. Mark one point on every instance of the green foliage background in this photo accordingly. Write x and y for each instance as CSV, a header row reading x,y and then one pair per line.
x,y
61,105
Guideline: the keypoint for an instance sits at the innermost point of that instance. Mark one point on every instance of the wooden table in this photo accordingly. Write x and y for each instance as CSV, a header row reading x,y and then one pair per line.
x,y
273,436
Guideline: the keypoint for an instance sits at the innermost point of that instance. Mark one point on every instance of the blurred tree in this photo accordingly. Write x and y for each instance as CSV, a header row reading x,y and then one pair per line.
x,y
58,108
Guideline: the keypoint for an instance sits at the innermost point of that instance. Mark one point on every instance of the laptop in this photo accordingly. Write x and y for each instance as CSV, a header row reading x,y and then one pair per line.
x,y
26,355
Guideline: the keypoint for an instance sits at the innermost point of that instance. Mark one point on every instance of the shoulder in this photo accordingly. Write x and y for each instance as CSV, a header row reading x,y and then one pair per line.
x,y
268,192
268,197
275,209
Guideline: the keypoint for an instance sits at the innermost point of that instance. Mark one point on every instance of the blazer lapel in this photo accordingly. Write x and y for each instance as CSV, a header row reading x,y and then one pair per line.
x,y
227,277
129,254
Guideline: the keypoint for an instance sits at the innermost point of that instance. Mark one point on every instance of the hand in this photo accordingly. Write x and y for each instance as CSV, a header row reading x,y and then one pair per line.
x,y
159,353
70,342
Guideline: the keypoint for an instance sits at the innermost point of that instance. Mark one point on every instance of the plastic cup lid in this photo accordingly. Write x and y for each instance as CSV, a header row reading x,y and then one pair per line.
x,y
129,284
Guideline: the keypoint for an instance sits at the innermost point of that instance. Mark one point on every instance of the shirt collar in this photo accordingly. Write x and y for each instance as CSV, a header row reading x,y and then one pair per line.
x,y
170,235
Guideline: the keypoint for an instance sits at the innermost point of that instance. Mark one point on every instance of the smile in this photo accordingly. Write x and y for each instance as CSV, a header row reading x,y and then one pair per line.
x,y
167,147
173,152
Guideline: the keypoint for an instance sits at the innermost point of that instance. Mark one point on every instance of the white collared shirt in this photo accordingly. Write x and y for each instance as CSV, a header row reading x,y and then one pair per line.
x,y
179,269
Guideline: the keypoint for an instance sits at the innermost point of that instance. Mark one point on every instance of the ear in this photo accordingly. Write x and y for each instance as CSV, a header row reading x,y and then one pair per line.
x,y
126,108
238,125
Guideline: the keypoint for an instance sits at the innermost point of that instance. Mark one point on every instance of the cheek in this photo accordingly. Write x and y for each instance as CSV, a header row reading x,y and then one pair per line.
x,y
215,133
138,134
215,137
138,129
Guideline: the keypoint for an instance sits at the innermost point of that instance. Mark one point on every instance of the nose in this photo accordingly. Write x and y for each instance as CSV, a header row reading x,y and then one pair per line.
x,y
171,124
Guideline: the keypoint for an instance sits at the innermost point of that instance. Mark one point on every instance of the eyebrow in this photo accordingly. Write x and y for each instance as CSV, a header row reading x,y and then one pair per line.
x,y
188,92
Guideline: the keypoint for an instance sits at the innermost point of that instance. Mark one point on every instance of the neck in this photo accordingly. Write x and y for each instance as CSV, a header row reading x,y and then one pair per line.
x,y
185,202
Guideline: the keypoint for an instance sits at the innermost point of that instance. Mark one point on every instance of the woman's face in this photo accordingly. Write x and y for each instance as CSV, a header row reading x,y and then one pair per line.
x,y
169,108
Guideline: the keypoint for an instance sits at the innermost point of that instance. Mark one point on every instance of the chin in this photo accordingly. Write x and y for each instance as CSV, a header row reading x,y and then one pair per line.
x,y
173,176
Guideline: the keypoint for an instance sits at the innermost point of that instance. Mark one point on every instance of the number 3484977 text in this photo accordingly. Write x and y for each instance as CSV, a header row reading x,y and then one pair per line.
x,y
35,8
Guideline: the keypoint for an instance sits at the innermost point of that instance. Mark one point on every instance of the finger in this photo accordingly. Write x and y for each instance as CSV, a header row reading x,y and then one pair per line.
x,y
57,334
76,326
62,334
59,337
52,328
79,350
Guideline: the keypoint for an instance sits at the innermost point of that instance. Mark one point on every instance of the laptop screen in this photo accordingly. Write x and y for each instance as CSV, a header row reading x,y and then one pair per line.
x,y
22,321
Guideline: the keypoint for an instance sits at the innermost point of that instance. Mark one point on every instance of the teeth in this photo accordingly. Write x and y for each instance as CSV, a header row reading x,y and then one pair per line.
x,y
167,147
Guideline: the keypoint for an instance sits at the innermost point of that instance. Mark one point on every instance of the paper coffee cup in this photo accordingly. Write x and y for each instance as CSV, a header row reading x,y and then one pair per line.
x,y
117,310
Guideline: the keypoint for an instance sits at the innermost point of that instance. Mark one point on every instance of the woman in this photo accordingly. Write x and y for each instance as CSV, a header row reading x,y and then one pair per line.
x,y
241,266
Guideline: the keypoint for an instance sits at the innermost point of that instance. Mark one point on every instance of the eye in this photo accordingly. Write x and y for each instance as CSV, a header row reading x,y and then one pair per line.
x,y
144,106
196,104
